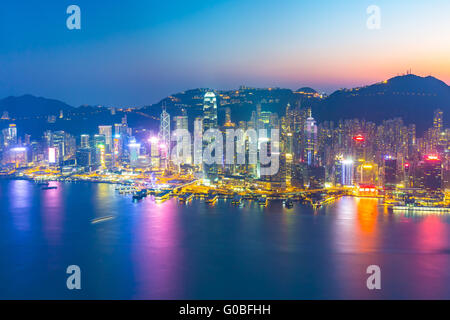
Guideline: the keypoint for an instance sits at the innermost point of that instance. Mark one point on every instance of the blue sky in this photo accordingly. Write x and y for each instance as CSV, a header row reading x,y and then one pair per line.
x,y
137,52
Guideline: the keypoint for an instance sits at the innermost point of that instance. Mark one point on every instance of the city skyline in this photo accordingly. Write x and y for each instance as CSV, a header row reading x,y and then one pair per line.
x,y
229,149
129,56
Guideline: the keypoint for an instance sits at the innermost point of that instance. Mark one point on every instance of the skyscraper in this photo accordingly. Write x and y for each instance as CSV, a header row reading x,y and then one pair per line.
x,y
164,137
390,172
134,152
210,171
198,142
107,132
59,141
310,139
431,173
209,111
84,142
347,172
438,119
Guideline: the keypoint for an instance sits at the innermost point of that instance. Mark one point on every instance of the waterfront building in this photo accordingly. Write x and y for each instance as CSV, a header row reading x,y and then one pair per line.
x,y
430,174
84,158
390,172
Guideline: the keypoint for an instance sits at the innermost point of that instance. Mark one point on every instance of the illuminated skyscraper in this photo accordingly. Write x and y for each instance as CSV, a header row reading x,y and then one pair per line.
x,y
310,140
12,130
99,145
59,142
431,173
84,158
134,152
84,141
154,152
210,171
181,122
198,142
438,120
390,172
164,137
209,111
347,172
107,132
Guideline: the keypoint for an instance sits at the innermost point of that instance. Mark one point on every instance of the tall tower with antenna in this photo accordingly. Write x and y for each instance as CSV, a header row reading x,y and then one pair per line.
x,y
164,136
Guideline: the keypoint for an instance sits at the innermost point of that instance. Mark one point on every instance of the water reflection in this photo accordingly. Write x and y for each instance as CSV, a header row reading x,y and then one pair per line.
x,y
168,250
156,251
19,197
53,210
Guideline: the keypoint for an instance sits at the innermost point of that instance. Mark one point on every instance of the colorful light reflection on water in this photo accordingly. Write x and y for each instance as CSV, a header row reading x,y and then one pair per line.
x,y
199,251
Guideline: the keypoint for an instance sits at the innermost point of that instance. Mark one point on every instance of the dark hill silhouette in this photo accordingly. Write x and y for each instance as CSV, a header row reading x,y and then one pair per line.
x,y
29,105
410,97
306,90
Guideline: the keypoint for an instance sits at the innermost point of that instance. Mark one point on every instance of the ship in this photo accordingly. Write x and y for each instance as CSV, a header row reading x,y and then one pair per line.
x,y
288,203
162,196
50,188
101,219
138,195
405,208
212,198
262,201
186,198
237,199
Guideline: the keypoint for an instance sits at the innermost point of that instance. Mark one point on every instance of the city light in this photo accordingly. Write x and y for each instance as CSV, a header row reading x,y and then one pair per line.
x,y
432,157
347,161
359,138
51,155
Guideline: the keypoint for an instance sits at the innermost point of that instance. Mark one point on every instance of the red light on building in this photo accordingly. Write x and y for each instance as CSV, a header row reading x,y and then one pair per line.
x,y
367,189
431,157
406,165
359,138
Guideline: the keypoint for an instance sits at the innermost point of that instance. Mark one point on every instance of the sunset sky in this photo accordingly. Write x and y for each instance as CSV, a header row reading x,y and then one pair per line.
x,y
136,52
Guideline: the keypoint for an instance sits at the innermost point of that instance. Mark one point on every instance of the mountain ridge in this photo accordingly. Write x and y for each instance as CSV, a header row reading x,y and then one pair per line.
x,y
408,96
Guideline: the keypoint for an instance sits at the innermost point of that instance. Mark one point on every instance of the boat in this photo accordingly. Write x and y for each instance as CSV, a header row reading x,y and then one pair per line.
x,y
186,198
421,209
288,203
162,196
237,199
137,196
212,198
262,201
50,188
101,219
43,184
